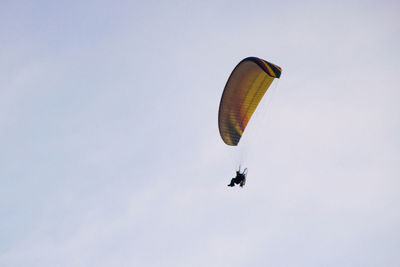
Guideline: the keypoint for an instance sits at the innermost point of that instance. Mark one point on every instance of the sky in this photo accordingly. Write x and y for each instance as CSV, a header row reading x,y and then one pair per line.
x,y
110,150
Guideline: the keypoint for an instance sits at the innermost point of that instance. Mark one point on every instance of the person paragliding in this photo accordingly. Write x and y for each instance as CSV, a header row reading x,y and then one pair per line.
x,y
245,88
240,178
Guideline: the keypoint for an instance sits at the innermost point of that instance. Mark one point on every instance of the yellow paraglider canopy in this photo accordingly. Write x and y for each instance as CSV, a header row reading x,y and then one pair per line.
x,y
243,91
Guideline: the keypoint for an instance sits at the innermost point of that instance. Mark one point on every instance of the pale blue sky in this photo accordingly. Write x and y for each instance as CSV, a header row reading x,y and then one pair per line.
x,y
110,151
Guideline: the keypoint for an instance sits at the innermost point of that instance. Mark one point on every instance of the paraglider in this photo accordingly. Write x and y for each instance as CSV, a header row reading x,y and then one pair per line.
x,y
243,91
240,178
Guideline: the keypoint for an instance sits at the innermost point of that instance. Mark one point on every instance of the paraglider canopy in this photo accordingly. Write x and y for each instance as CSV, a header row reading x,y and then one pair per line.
x,y
244,89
